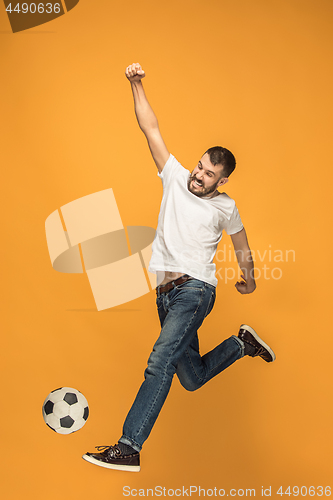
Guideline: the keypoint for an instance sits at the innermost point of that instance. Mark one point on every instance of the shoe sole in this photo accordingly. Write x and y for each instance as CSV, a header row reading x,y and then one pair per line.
x,y
127,468
258,339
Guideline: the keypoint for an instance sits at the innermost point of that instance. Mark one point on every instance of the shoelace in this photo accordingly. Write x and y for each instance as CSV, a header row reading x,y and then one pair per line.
x,y
260,351
111,450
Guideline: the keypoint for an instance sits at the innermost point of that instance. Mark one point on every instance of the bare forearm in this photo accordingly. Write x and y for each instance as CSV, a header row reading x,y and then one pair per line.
x,y
145,115
245,263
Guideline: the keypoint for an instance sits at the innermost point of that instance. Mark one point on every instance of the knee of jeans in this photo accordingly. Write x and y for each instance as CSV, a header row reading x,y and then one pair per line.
x,y
158,364
187,383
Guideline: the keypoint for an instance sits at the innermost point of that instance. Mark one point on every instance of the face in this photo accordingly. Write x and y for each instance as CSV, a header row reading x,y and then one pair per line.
x,y
206,178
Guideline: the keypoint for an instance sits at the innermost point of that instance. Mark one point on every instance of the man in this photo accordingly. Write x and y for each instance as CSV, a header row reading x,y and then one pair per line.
x,y
192,217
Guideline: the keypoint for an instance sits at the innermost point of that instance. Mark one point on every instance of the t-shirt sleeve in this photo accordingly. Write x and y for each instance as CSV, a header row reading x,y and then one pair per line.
x,y
170,170
234,224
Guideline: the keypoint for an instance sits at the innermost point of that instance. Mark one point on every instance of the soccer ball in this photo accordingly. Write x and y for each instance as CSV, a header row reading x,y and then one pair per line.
x,y
65,410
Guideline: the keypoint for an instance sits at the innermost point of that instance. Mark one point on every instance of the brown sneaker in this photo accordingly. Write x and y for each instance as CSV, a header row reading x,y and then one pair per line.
x,y
258,346
112,458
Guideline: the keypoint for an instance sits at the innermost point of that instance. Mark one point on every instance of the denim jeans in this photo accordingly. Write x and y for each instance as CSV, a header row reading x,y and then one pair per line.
x,y
181,312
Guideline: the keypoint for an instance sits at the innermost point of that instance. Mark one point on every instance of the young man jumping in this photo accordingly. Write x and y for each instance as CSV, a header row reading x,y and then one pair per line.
x,y
192,216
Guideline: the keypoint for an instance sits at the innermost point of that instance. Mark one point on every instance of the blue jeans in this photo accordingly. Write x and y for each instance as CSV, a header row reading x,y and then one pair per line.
x,y
181,312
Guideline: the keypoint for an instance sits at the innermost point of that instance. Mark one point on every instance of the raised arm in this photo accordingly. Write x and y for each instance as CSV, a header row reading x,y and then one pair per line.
x,y
244,257
146,117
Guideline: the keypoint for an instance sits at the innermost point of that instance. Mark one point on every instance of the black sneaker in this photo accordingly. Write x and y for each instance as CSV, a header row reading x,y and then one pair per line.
x,y
254,344
112,458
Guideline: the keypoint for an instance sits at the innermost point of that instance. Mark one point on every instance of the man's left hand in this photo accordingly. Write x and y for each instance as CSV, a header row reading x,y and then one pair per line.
x,y
244,286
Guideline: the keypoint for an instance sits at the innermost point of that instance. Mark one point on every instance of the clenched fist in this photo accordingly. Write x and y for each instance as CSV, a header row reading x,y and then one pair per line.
x,y
134,72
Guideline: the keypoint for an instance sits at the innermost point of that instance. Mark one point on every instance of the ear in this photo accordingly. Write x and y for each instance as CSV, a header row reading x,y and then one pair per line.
x,y
222,181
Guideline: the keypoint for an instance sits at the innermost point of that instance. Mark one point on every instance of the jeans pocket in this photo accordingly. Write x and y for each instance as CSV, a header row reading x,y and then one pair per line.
x,y
162,313
210,303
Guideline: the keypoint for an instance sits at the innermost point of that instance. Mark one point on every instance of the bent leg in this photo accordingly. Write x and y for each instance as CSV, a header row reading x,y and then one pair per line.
x,y
186,308
194,370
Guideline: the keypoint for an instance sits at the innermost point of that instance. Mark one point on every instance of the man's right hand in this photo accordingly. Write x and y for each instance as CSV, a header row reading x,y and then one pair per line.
x,y
134,72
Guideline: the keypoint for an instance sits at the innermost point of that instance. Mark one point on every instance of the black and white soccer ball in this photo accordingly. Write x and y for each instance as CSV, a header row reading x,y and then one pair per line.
x,y
65,410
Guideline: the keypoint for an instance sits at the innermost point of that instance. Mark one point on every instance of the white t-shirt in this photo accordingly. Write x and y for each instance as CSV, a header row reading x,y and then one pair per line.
x,y
189,227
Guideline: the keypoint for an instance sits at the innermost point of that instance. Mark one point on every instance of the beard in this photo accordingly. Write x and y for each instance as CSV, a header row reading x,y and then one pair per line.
x,y
200,190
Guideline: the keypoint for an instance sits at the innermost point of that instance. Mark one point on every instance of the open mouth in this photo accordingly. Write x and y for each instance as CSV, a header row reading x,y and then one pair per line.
x,y
196,183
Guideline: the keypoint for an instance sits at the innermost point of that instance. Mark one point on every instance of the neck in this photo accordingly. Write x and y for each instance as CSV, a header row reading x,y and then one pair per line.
x,y
215,193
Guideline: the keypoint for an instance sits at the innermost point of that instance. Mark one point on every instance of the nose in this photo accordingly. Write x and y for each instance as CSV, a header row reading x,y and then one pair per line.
x,y
199,176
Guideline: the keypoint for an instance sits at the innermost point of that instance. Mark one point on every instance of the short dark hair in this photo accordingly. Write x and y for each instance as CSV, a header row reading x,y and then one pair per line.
x,y
224,157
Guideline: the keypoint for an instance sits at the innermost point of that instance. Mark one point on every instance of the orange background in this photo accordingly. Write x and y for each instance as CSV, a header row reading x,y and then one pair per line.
x,y
253,76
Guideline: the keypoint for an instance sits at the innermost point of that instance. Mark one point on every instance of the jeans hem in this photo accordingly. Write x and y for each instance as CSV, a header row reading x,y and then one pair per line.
x,y
240,343
130,442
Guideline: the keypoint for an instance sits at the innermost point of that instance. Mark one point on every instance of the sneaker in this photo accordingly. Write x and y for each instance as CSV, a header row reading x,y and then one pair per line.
x,y
256,346
112,458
